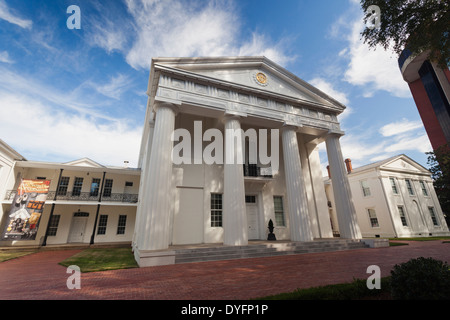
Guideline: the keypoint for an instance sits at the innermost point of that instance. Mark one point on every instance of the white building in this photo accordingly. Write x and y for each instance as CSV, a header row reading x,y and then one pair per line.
x,y
201,179
394,197
194,198
85,203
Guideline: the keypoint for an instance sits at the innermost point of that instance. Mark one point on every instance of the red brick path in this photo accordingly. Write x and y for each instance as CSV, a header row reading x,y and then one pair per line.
x,y
38,276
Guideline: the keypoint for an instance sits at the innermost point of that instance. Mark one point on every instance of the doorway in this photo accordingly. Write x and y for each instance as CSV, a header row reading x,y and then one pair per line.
x,y
78,227
251,207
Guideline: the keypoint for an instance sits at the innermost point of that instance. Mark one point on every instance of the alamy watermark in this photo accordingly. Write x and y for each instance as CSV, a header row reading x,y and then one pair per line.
x,y
374,18
74,280
74,20
238,139
374,280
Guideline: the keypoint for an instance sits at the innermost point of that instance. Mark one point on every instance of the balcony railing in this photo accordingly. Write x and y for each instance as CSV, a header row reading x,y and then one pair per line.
x,y
252,170
84,196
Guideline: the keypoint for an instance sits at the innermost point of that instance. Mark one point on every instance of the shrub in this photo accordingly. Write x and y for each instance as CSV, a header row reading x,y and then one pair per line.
x,y
421,279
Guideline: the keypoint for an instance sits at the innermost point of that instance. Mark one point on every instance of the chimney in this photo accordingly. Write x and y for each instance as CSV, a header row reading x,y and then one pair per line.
x,y
348,163
329,173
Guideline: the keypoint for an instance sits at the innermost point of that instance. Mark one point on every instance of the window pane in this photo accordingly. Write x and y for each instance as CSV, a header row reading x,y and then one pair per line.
x,y
216,210
63,184
394,186
279,212
433,216
373,218
409,186
102,222
121,224
53,225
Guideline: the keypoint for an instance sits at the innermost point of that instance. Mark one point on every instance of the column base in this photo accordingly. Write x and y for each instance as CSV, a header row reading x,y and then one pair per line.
x,y
151,258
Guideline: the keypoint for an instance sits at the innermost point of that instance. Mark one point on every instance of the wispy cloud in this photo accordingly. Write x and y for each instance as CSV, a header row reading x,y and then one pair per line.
x,y
4,57
61,136
7,14
115,87
399,127
185,29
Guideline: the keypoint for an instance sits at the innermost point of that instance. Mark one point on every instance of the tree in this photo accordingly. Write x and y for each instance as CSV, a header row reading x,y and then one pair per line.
x,y
419,25
439,162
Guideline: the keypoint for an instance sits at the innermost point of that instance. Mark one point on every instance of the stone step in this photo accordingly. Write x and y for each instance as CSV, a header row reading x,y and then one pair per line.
x,y
263,250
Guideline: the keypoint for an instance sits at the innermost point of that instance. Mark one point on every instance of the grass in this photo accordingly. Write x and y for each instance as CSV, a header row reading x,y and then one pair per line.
x,y
356,290
12,254
91,260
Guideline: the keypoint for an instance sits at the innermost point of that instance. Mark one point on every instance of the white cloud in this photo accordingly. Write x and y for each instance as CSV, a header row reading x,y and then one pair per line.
x,y
115,88
371,69
4,57
328,89
55,134
419,143
11,17
175,28
399,127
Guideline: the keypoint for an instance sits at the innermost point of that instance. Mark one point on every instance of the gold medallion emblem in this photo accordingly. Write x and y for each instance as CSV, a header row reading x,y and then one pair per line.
x,y
261,77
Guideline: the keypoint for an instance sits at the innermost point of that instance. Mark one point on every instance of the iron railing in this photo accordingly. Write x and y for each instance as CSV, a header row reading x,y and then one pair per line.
x,y
83,196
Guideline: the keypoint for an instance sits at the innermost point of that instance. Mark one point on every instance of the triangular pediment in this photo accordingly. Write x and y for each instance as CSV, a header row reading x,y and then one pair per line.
x,y
84,162
254,73
405,164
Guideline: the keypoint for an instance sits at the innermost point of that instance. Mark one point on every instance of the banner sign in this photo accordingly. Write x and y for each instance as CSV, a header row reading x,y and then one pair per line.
x,y
26,210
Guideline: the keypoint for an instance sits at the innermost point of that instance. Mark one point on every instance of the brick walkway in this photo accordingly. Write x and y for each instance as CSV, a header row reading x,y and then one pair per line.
x,y
38,276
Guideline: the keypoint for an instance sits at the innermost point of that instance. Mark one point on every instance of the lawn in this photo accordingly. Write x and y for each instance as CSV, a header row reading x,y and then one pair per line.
x,y
90,260
11,254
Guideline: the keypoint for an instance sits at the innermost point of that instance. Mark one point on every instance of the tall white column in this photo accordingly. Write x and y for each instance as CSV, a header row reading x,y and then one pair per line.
x,y
295,186
155,205
141,209
345,209
235,230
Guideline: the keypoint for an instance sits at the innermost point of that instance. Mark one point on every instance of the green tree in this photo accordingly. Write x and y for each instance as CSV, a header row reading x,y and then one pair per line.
x,y
439,166
419,25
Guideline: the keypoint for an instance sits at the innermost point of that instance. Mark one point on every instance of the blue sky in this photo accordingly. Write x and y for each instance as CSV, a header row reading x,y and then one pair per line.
x,y
68,94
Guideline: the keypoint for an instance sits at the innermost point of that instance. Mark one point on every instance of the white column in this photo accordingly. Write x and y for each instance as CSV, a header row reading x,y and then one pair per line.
x,y
155,205
345,209
144,183
297,203
235,230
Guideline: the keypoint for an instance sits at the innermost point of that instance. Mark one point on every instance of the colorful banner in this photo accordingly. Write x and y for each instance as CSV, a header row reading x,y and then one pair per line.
x,y
26,210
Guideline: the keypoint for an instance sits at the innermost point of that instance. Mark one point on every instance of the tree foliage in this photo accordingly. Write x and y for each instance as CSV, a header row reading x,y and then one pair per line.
x,y
439,166
419,25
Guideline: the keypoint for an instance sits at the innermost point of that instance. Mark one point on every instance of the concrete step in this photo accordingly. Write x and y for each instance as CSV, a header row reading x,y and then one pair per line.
x,y
263,250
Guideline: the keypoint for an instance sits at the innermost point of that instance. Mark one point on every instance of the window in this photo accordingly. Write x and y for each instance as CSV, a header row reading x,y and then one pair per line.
x,y
424,188
250,199
62,188
102,222
95,186
373,218
78,183
53,225
433,216
393,185
365,188
216,210
409,187
128,183
121,224
401,211
279,212
108,188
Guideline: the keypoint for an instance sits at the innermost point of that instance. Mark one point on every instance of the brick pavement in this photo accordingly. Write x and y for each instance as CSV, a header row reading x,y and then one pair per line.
x,y
39,277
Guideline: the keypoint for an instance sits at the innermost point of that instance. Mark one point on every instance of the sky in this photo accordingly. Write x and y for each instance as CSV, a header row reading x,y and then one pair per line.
x,y
67,94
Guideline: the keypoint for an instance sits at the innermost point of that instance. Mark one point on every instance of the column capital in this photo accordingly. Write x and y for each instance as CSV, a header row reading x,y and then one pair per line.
x,y
288,126
233,114
334,132
163,104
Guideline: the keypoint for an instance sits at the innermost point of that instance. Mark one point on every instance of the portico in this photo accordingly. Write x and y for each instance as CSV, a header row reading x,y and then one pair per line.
x,y
267,123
